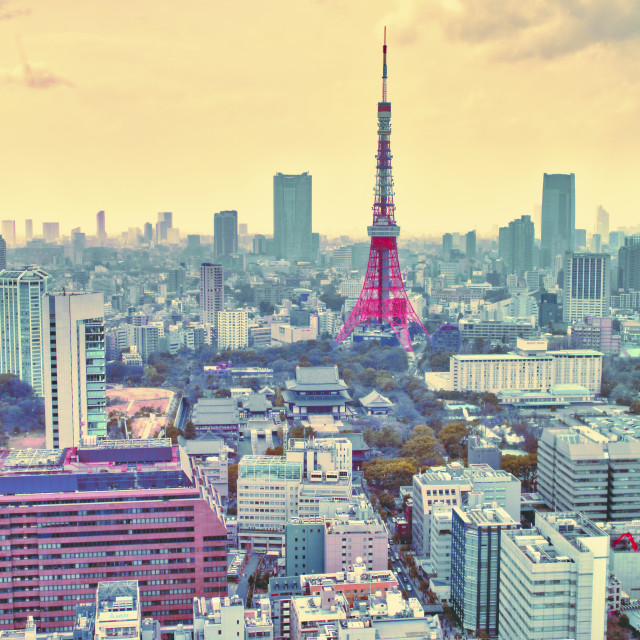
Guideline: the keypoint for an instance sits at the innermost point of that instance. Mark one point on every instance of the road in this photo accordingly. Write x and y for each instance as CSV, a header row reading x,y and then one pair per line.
x,y
241,588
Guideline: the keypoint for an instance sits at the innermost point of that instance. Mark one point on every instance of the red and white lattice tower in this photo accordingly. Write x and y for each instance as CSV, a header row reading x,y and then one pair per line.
x,y
383,298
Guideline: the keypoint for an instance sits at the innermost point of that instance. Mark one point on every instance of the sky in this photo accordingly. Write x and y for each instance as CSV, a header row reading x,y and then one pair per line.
x,y
191,106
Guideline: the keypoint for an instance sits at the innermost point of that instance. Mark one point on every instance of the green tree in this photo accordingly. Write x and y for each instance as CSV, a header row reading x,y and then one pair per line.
x,y
452,436
389,474
635,407
190,432
279,400
233,479
223,393
424,449
524,468
274,451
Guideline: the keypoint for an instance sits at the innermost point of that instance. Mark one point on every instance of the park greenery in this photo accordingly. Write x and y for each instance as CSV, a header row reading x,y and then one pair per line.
x,y
21,410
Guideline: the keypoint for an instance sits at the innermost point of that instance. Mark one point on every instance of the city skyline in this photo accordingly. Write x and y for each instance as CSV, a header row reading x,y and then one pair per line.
x,y
152,113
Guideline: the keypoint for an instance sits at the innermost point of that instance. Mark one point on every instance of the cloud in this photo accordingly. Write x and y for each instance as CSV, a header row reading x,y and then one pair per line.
x,y
514,29
32,76
6,13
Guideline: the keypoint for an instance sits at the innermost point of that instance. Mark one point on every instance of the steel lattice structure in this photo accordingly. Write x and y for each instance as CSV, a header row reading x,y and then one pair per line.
x,y
383,298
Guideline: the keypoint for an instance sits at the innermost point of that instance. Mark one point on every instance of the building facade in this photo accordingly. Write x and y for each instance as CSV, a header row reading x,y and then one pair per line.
x,y
128,509
211,292
553,580
233,330
74,368
21,334
587,286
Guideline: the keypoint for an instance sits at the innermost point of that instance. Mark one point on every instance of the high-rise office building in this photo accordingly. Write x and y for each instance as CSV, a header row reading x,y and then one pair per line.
x,y
28,230
243,228
602,224
148,232
596,243
470,244
51,231
101,228
118,510
587,285
292,216
211,292
176,281
259,244
21,334
629,264
225,234
580,239
558,216
3,254
553,579
475,565
8,231
516,243
616,241
447,244
232,329
74,368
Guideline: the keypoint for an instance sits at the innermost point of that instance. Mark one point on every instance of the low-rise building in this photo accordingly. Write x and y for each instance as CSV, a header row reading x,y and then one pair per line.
x,y
316,390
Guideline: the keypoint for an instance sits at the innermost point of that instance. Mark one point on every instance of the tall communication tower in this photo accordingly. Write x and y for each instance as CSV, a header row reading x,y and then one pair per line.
x,y
383,298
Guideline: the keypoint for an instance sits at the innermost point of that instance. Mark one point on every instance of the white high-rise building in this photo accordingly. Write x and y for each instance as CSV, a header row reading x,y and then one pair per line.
x,y
74,368
587,286
21,335
553,580
233,329
211,292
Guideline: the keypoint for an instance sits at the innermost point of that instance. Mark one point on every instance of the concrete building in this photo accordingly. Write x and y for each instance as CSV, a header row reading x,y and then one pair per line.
x,y
449,485
475,565
169,533
529,368
51,231
284,333
582,469
273,490
211,455
281,591
101,227
483,452
558,218
118,610
232,330
624,560
146,339
507,330
8,230
439,565
629,264
21,335
595,333
292,227
304,546
516,245
74,368
587,286
211,292
553,580
3,254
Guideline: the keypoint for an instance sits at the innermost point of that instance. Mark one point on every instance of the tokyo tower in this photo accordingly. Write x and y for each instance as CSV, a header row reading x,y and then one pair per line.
x,y
383,298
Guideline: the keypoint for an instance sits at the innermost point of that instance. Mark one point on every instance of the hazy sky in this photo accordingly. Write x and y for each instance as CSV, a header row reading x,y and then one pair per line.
x,y
191,106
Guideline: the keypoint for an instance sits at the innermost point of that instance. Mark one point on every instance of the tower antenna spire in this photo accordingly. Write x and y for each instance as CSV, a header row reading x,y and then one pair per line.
x,y
384,67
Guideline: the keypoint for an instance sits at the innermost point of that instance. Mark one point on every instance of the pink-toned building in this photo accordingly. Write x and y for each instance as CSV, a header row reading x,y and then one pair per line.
x,y
360,533
119,510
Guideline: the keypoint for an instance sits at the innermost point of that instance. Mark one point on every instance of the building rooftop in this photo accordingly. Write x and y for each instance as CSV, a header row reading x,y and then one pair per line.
x,y
269,468
117,595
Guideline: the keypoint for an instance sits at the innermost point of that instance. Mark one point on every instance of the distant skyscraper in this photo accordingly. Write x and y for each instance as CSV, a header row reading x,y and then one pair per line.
x,y
587,286
211,292
225,234
602,224
74,368
28,230
596,243
470,244
175,281
515,245
243,229
292,216
51,231
148,232
101,230
165,222
558,216
21,334
8,230
3,254
259,244
616,240
447,244
629,264
580,239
